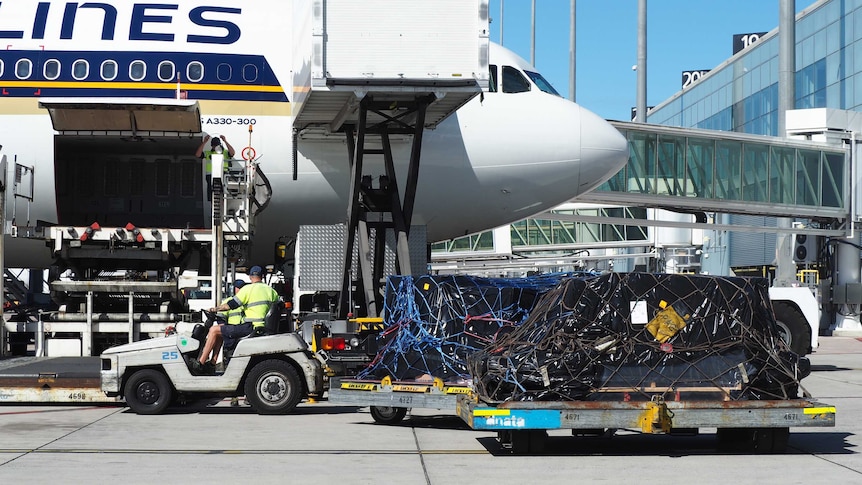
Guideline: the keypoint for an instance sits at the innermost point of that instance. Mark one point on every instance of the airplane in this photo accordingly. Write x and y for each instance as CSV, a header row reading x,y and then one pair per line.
x,y
516,150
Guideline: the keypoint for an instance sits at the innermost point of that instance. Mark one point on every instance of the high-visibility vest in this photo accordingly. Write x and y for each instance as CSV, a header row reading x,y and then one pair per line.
x,y
208,156
255,299
233,316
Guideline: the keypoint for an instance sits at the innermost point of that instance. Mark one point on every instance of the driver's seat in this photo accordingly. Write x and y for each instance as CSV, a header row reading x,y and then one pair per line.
x,y
273,317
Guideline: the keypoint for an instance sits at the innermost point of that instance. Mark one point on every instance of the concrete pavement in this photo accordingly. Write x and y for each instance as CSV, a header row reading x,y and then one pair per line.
x,y
323,443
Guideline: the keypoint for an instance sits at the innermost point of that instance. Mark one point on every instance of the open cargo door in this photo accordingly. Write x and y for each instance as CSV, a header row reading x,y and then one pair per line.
x,y
124,115
128,160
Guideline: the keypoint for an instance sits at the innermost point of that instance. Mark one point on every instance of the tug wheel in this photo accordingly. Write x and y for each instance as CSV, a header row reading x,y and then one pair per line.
x,y
148,392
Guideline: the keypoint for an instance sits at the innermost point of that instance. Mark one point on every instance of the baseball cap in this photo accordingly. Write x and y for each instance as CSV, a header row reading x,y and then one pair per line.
x,y
238,284
255,271
215,141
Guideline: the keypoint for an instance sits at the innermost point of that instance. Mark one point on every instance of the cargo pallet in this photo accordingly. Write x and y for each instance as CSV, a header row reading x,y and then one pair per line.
x,y
752,426
389,400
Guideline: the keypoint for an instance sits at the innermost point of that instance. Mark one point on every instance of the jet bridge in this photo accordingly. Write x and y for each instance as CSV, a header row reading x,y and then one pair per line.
x,y
368,81
706,170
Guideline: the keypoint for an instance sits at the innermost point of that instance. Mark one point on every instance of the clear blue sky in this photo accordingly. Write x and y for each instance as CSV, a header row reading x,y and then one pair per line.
x,y
682,35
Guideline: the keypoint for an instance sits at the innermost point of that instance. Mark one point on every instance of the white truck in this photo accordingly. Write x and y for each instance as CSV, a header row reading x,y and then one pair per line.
x,y
273,371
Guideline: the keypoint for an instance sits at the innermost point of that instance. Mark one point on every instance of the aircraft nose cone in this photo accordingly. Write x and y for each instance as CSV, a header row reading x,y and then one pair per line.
x,y
604,150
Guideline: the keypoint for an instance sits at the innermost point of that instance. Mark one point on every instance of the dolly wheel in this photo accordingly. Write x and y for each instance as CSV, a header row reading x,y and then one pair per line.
x,y
388,414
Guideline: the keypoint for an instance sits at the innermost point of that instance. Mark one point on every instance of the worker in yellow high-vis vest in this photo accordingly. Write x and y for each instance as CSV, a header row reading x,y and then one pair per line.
x,y
224,333
206,155
254,299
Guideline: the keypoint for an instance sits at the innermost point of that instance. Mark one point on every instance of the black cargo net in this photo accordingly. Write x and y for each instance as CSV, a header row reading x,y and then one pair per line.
x,y
636,336
433,323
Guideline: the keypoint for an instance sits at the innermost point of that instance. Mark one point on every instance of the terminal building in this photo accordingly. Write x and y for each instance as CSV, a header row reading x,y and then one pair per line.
x,y
741,94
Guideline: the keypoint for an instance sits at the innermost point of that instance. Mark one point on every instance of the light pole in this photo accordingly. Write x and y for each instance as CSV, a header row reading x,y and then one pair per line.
x,y
572,53
641,110
533,37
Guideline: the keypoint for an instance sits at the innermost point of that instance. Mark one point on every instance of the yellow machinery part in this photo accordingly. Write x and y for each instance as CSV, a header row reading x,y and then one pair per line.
x,y
656,418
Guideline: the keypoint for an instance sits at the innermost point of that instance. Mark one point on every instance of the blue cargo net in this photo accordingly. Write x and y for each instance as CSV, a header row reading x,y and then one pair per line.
x,y
433,323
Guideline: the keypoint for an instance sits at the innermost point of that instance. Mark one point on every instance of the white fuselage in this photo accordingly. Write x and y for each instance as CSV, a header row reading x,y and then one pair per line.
x,y
501,157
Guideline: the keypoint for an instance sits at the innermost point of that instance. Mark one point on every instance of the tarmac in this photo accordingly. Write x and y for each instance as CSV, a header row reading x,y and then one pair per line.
x,y
326,444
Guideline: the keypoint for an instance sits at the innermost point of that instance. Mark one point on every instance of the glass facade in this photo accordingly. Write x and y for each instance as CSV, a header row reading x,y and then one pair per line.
x,y
715,167
742,93
533,234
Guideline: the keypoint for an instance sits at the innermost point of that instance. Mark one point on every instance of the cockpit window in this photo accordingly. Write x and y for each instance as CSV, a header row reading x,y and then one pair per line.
x,y
492,79
542,83
514,81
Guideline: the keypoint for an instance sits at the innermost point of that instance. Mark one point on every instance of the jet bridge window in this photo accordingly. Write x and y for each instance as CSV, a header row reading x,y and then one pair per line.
x,y
492,79
195,71
51,69
542,83
514,81
80,69
23,68
137,70
109,70
167,71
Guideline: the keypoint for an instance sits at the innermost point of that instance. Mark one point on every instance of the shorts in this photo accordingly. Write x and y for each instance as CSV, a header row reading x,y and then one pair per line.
x,y
232,333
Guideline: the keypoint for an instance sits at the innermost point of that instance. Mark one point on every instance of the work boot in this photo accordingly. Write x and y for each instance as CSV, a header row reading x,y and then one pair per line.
x,y
199,369
196,368
234,402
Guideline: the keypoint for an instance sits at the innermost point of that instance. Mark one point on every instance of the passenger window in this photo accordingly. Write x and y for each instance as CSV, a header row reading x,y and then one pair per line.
x,y
137,70
51,69
224,72
109,70
80,69
195,71
166,71
514,81
2,66
23,68
492,79
249,73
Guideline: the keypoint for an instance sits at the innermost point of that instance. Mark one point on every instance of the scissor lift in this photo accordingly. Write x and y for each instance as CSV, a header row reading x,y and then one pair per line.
x,y
404,80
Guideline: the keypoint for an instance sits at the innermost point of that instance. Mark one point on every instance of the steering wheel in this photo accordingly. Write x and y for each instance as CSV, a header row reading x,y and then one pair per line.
x,y
210,318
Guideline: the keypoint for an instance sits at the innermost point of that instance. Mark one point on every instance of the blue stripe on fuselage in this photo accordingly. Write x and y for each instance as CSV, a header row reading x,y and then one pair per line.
x,y
235,76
